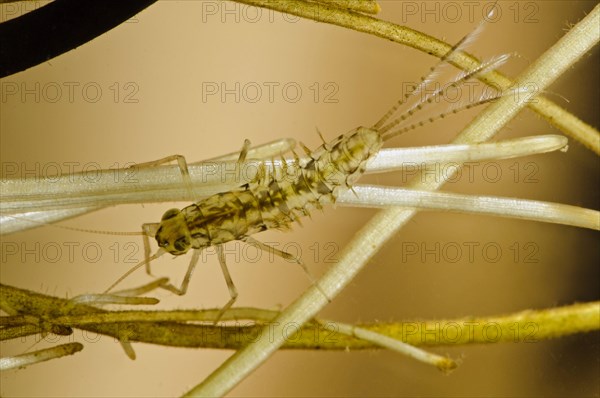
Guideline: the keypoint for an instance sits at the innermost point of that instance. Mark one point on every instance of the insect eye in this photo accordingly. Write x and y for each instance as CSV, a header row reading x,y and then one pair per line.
x,y
169,214
181,244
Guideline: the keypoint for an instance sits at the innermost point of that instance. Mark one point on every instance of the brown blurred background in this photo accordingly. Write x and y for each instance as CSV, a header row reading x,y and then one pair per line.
x,y
140,93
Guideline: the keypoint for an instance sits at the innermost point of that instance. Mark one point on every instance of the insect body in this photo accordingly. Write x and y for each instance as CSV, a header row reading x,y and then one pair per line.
x,y
277,201
267,202
270,203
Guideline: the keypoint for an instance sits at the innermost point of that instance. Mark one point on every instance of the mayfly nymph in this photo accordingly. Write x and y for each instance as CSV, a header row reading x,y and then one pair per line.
x,y
272,201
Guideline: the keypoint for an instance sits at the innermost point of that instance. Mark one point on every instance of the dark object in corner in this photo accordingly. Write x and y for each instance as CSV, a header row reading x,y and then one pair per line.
x,y
58,27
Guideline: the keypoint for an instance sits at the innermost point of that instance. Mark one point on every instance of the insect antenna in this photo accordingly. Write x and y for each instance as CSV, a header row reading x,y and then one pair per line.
x,y
434,72
89,231
460,79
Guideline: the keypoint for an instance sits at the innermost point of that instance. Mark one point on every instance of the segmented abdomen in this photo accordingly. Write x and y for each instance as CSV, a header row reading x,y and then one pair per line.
x,y
278,201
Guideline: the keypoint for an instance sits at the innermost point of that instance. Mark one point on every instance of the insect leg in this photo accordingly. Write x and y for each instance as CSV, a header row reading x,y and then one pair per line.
x,y
186,279
241,158
233,293
183,167
286,256
148,230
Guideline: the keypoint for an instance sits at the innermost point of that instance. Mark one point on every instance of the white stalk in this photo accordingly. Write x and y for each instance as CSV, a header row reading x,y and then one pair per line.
x,y
442,363
20,361
28,203
533,210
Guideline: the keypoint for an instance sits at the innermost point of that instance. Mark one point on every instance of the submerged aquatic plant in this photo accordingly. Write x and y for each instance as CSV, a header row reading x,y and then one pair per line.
x,y
385,224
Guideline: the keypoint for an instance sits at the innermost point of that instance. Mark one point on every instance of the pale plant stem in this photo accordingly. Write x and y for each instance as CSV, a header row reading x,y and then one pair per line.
x,y
410,158
379,196
76,190
164,183
533,210
443,363
387,223
45,354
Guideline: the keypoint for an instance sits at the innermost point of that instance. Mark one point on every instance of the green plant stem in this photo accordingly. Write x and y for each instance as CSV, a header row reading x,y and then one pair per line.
x,y
366,6
555,115
173,328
